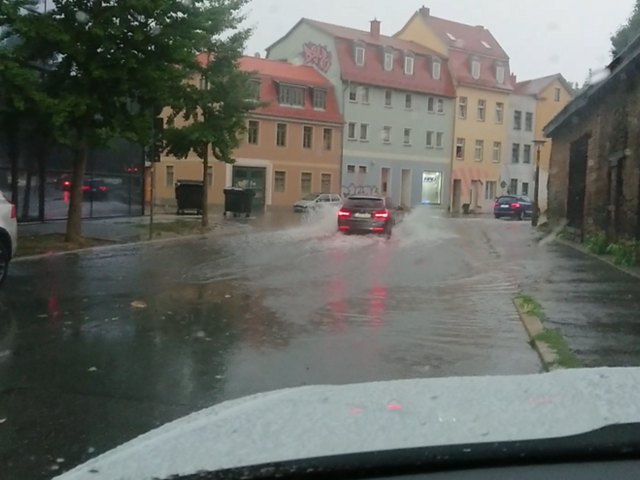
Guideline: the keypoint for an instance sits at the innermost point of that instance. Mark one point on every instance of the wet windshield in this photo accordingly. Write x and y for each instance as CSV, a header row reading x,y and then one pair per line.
x,y
477,168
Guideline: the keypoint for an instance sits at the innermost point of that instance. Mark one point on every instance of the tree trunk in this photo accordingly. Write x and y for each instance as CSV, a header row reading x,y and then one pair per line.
x,y
205,189
13,147
42,178
74,218
26,200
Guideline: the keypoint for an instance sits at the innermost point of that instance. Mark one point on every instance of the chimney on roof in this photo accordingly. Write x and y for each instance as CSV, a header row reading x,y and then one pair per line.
x,y
514,79
374,30
480,27
424,11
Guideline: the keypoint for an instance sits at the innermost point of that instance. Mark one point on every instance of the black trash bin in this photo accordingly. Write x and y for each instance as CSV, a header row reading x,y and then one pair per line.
x,y
189,196
238,201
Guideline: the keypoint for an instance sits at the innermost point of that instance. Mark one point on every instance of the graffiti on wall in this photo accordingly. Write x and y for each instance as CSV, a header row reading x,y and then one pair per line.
x,y
317,56
353,189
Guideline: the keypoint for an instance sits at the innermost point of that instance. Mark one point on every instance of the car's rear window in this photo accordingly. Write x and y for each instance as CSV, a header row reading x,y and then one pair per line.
x,y
364,203
507,199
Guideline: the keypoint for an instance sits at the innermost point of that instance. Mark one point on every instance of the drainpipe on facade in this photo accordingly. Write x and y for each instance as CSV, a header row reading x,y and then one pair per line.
x,y
344,124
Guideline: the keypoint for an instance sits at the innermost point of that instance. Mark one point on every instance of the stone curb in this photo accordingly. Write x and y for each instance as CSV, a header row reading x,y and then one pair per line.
x,y
533,326
582,249
124,244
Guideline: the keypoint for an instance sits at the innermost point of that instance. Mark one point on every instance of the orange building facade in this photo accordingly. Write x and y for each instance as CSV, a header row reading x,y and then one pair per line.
x,y
292,146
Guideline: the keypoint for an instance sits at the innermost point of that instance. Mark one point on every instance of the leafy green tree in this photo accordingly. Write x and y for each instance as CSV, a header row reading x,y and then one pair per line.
x,y
115,62
209,118
627,32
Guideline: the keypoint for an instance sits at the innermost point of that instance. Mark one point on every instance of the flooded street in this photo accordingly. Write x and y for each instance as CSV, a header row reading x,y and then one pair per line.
x,y
126,339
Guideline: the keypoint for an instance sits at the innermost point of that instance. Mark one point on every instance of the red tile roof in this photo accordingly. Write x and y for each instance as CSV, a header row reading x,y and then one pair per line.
x,y
373,72
365,36
272,72
460,64
535,86
466,37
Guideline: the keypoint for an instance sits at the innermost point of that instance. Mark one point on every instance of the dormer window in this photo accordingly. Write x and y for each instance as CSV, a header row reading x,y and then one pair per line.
x,y
500,74
360,56
435,69
319,99
388,61
291,96
486,45
475,69
408,65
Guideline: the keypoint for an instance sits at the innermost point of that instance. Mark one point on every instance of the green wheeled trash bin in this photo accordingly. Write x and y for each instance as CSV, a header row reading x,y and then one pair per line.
x,y
189,196
238,201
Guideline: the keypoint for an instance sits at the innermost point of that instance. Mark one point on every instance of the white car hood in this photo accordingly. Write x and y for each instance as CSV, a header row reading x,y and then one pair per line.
x,y
320,421
304,203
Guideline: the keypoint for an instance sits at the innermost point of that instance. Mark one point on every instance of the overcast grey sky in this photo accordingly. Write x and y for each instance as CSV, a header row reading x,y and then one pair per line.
x,y
541,37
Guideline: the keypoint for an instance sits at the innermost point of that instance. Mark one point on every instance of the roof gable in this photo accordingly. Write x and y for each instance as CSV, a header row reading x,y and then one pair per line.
x,y
469,38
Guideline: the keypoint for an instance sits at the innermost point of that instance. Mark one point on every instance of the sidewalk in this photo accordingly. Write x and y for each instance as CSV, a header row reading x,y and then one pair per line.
x,y
128,229
593,304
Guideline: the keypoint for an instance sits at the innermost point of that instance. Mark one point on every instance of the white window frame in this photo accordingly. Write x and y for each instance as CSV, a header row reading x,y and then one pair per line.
x,y
429,139
355,131
440,140
360,56
386,134
463,102
475,69
460,142
405,141
353,89
497,152
408,65
499,113
526,147
304,130
433,104
168,168
388,62
366,139
364,95
556,94
490,188
436,69
482,107
478,146
408,105
284,183
390,97
500,75
257,122
440,106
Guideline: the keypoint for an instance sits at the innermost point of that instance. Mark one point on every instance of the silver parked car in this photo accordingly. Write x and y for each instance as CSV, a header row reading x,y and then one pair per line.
x,y
317,200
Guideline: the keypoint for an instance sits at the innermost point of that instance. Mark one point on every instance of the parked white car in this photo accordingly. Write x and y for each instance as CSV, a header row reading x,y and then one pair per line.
x,y
8,235
315,200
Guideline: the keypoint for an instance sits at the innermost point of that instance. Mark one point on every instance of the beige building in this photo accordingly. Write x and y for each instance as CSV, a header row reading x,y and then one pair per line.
x,y
292,146
552,93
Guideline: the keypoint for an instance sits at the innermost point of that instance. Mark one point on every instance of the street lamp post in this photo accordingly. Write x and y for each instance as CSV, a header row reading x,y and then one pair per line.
x,y
535,215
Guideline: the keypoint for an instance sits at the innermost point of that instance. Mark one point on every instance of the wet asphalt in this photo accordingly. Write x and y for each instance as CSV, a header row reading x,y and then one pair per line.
x,y
97,348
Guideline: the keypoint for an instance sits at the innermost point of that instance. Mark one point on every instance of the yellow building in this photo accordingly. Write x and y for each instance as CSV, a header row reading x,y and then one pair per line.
x,y
551,93
480,70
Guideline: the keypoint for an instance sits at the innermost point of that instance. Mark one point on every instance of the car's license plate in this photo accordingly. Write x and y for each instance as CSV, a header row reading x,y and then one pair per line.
x,y
504,206
362,215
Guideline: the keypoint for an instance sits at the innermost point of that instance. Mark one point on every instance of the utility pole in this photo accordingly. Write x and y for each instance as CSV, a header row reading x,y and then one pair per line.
x,y
535,215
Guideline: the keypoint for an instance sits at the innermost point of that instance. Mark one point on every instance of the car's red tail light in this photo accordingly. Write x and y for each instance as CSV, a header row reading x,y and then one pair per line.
x,y
103,189
515,205
85,187
383,214
344,213
13,211
67,183
495,204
